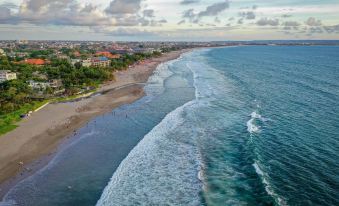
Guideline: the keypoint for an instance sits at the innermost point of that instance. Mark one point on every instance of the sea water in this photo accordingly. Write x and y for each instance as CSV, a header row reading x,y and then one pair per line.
x,y
225,126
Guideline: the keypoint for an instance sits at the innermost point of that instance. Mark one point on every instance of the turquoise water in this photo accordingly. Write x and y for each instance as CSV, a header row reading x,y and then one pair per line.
x,y
226,126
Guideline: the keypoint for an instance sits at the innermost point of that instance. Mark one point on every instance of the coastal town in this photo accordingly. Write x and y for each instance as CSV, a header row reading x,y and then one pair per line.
x,y
35,72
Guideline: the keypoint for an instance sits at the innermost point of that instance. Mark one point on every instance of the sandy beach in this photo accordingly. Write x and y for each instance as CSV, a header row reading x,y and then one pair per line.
x,y
39,135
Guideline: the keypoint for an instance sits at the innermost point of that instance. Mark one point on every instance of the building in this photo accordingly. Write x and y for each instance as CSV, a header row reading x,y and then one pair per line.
x,y
74,61
2,52
34,61
6,75
86,63
63,56
108,55
100,62
55,83
38,85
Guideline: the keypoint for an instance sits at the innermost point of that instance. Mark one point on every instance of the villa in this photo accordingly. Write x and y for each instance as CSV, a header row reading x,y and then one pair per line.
x,y
34,61
6,75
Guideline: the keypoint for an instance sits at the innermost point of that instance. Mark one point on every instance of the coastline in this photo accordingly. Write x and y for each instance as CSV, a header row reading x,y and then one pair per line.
x,y
36,140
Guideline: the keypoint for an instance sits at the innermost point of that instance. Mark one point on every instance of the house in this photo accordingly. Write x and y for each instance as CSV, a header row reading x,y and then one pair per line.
x,y
63,56
34,61
39,75
86,63
74,61
2,52
77,54
108,55
55,83
6,75
38,85
100,62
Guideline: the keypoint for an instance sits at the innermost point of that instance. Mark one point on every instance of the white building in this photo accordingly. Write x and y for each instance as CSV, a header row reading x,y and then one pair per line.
x,y
38,85
2,52
6,75
86,63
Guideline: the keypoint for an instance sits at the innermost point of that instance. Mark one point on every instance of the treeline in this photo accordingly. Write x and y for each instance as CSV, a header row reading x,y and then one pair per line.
x,y
75,79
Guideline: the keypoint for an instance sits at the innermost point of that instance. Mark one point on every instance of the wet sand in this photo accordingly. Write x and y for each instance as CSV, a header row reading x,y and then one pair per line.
x,y
39,135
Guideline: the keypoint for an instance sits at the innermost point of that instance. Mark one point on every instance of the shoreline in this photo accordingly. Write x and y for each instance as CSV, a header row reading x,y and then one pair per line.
x,y
35,142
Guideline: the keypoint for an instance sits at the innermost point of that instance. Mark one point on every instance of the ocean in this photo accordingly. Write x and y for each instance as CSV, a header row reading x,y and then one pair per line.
x,y
248,125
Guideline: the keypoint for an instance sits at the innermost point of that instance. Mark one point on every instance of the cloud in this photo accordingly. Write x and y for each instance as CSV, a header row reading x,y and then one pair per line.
x,y
217,20
5,13
181,22
313,22
315,30
291,23
189,14
57,12
247,15
286,15
186,2
73,13
214,9
268,22
124,7
148,13
9,5
288,25
332,29
125,32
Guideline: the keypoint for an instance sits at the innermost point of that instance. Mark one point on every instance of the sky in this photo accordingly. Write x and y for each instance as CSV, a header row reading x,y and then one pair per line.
x,y
169,20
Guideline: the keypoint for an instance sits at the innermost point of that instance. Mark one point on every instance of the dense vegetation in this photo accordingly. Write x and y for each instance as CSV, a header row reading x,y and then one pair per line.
x,y
16,97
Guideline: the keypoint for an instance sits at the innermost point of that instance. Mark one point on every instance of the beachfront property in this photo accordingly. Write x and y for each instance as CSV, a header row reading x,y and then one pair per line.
x,y
2,52
101,62
108,55
54,83
38,85
96,62
74,61
86,63
6,75
37,62
63,56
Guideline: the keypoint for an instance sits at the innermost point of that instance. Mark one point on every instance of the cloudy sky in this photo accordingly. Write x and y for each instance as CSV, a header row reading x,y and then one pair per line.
x,y
195,20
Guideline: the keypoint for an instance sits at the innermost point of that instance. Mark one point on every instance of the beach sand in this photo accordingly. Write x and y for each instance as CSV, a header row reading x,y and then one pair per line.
x,y
39,135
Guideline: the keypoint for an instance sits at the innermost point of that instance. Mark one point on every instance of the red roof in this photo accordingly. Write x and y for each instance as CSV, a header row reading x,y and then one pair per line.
x,y
108,55
35,61
77,54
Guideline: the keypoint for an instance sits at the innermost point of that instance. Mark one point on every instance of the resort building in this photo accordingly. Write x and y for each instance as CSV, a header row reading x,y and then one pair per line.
x,y
108,55
6,75
55,83
2,52
74,61
38,85
100,62
86,63
34,61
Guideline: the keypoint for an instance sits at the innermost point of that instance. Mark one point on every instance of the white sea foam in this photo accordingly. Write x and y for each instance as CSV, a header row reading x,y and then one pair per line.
x,y
165,168
251,126
155,83
269,189
162,169
159,169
